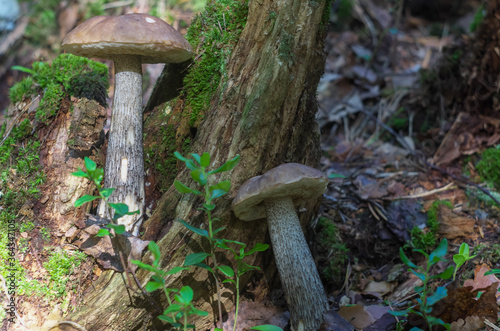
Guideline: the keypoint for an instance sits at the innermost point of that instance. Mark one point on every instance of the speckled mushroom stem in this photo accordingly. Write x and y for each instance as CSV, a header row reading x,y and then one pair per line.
x,y
304,292
124,159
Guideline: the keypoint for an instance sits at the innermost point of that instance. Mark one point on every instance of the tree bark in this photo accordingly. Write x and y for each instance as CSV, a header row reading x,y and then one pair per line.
x,y
266,113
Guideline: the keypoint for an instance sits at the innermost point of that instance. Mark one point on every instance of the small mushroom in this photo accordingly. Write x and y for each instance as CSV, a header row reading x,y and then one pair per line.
x,y
129,40
275,195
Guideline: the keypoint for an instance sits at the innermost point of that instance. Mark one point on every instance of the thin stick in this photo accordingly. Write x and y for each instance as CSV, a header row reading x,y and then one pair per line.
x,y
449,186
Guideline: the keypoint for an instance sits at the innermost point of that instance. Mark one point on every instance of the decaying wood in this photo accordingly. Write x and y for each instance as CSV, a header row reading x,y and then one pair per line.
x,y
265,113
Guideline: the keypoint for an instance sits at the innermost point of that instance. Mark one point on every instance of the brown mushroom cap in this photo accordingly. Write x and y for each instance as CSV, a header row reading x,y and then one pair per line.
x,y
132,34
294,180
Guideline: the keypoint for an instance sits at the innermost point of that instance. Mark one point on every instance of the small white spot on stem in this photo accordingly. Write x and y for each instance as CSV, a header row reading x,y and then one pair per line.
x,y
130,137
124,169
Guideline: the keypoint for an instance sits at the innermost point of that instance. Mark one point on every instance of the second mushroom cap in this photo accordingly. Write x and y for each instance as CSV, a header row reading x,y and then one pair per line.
x,y
298,181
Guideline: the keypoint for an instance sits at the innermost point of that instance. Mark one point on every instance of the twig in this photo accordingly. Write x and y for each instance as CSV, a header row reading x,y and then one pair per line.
x,y
449,186
491,325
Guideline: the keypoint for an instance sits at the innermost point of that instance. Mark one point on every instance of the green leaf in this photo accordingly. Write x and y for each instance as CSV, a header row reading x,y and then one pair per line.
x,y
437,321
201,232
198,312
492,272
229,165
97,176
205,160
333,176
266,327
245,267
133,212
218,230
204,266
153,248
80,173
195,258
224,186
198,176
226,270
24,69
398,313
439,252
147,267
186,294
120,208
184,189
83,200
180,157
191,165
102,233
89,164
406,260
459,259
175,270
119,228
196,157
441,292
152,286
257,248
418,274
209,207
464,249
173,308
106,192
447,274
158,279
229,281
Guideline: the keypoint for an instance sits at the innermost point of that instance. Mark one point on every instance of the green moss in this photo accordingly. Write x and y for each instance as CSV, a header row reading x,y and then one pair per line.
x,y
489,166
325,18
67,74
214,33
490,254
160,155
286,46
60,266
50,103
24,88
427,240
332,251
20,178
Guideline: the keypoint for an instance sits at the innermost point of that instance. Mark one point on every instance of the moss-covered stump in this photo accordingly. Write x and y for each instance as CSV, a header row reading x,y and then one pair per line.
x,y
263,107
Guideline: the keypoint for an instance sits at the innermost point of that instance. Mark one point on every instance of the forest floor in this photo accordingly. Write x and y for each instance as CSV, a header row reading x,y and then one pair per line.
x,y
399,179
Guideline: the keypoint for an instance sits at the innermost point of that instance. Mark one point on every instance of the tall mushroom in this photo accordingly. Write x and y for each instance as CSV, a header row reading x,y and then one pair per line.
x,y
129,40
275,195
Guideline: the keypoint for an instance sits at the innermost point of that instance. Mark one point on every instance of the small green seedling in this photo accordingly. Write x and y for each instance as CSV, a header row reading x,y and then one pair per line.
x,y
176,313
427,297
199,173
96,175
461,257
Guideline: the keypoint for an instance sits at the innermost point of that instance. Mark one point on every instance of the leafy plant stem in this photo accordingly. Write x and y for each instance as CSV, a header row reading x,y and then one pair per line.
x,y
237,300
212,247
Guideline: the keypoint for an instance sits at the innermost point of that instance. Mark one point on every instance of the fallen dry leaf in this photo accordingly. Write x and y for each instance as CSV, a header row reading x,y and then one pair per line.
x,y
471,323
357,316
480,280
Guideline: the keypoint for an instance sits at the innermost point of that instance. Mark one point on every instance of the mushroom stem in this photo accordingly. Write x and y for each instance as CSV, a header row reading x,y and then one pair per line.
x,y
124,157
304,292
